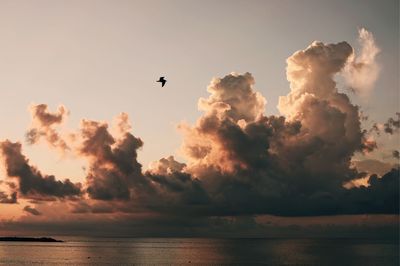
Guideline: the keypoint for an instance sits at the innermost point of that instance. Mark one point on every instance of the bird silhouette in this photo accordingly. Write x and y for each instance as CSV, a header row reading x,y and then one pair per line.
x,y
162,80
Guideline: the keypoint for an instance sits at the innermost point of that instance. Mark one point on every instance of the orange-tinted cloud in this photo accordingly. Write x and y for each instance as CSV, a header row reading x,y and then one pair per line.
x,y
239,160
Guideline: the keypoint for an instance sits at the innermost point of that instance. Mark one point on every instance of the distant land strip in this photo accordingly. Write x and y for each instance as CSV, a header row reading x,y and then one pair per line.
x,y
30,239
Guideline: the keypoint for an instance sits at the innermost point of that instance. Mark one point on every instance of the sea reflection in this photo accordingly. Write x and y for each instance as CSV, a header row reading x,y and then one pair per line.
x,y
128,251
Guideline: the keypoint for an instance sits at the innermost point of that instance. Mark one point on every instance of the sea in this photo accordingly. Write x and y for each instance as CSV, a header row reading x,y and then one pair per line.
x,y
202,251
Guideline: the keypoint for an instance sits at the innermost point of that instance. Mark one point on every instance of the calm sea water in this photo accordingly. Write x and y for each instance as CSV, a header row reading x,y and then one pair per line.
x,y
151,251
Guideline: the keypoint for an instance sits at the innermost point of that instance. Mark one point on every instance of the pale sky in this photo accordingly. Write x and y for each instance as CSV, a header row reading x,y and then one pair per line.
x,y
100,58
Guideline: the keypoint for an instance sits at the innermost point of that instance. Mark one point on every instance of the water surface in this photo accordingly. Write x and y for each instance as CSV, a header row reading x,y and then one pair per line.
x,y
205,251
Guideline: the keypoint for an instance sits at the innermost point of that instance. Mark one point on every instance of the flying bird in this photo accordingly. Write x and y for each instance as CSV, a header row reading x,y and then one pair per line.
x,y
162,80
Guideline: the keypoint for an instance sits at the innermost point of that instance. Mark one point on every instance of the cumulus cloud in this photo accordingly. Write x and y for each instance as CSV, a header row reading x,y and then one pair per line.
x,y
239,161
44,125
114,171
32,183
166,166
295,164
362,71
328,118
176,187
230,128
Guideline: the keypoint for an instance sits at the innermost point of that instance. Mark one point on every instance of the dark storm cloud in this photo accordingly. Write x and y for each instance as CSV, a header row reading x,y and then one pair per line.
x,y
32,183
381,196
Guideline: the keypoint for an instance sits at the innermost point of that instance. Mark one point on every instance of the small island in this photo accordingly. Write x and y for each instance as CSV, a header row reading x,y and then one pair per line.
x,y
29,239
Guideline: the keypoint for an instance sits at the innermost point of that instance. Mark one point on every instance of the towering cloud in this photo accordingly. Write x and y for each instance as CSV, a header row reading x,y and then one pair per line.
x,y
362,71
218,139
291,165
114,172
330,122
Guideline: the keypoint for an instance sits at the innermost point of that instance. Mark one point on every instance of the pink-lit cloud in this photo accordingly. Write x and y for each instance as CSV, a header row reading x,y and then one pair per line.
x,y
239,160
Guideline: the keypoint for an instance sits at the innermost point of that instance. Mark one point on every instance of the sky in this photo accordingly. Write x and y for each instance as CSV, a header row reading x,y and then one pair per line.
x,y
101,58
